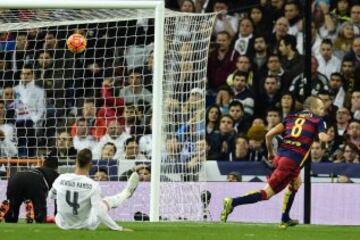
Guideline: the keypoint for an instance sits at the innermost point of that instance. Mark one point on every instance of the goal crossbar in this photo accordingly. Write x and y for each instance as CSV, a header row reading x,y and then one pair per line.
x,y
79,4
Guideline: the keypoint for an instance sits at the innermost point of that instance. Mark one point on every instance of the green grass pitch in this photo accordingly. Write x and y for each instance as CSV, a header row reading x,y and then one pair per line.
x,y
182,231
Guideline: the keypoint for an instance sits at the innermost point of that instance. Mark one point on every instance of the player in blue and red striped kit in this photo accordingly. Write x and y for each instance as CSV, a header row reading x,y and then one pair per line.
x,y
299,131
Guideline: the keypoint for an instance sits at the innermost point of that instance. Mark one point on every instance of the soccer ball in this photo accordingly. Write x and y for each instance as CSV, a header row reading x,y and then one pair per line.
x,y
76,43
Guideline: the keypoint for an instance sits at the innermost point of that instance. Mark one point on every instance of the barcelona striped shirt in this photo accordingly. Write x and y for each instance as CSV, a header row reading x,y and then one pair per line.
x,y
300,131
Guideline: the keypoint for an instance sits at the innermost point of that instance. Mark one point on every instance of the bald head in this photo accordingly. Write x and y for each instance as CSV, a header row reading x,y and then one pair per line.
x,y
315,105
281,27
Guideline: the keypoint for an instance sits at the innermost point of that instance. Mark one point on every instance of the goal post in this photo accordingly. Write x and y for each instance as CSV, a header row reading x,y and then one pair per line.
x,y
180,50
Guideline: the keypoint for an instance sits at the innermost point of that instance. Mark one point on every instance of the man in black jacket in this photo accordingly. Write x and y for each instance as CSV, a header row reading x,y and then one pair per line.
x,y
32,187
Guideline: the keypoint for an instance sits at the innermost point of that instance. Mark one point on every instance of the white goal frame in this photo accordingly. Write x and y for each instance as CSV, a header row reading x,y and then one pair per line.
x,y
159,9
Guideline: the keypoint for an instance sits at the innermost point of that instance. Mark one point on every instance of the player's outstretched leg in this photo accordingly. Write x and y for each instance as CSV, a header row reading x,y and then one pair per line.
x,y
132,184
116,200
228,208
253,197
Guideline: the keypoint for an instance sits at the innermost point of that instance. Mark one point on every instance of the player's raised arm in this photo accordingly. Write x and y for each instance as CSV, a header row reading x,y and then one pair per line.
x,y
278,129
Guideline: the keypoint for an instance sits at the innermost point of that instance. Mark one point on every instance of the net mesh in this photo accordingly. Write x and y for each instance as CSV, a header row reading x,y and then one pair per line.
x,y
57,102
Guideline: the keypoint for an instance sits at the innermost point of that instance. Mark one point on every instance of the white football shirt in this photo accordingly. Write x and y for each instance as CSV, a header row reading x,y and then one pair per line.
x,y
79,203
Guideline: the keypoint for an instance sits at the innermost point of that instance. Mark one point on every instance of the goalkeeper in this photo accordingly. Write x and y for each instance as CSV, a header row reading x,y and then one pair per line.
x,y
32,187
78,197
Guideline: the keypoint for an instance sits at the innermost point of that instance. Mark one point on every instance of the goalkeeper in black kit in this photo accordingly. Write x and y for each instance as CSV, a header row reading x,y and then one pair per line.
x,y
30,187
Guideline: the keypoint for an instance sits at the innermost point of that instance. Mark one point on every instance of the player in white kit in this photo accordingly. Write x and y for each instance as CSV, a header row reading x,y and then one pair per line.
x,y
79,201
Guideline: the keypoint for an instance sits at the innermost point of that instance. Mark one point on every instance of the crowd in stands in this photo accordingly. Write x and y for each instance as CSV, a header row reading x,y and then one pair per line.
x,y
55,103
256,75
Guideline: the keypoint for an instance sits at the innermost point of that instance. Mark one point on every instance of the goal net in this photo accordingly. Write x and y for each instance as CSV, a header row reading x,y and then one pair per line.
x,y
56,101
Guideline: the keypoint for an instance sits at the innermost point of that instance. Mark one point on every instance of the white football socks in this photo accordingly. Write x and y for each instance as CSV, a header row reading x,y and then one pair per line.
x,y
116,200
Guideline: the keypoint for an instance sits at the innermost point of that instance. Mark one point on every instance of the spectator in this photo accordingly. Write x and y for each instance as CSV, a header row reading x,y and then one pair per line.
x,y
259,54
336,88
135,91
8,97
144,173
213,114
195,162
343,118
270,96
223,98
292,14
333,143
355,105
6,124
318,152
353,133
101,175
352,83
342,10
64,152
88,112
274,10
243,64
344,41
227,135
354,54
108,151
113,108
7,147
300,88
145,143
82,139
194,102
116,135
173,107
324,21
275,69
273,118
241,152
287,104
355,18
143,170
5,72
221,62
256,15
244,38
329,108
328,63
172,159
233,177
133,125
21,56
50,41
29,108
256,136
315,40
350,154
281,30
258,122
291,61
243,92
241,123
187,6
224,21
131,150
